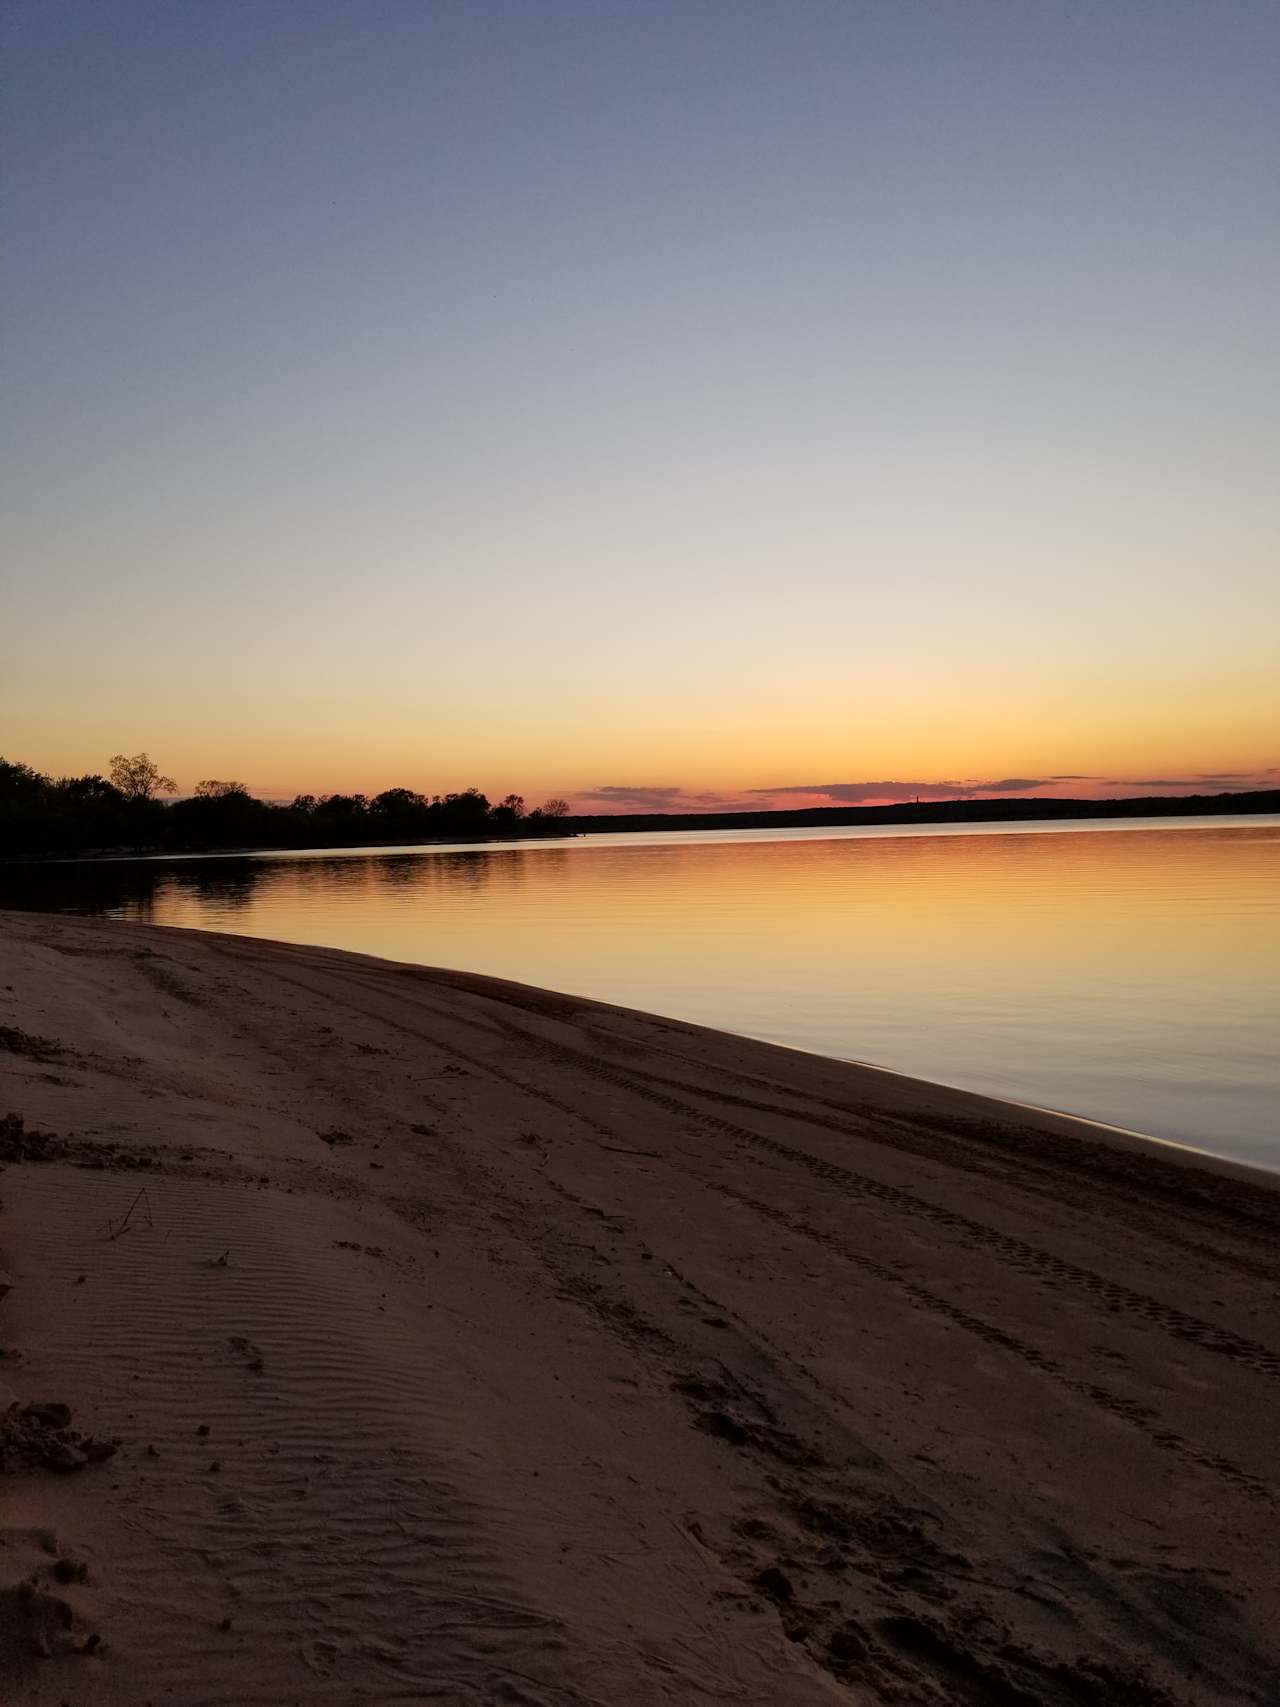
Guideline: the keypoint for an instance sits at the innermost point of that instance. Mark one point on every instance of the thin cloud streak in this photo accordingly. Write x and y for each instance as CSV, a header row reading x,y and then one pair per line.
x,y
1250,779
658,797
853,793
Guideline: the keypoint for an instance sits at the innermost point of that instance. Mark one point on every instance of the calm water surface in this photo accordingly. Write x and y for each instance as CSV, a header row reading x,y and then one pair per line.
x,y
1128,974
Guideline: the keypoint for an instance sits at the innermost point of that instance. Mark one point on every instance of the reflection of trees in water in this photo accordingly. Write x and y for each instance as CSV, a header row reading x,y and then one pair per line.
x,y
222,884
147,891
138,890
459,871
230,889
397,871
468,869
120,889
324,876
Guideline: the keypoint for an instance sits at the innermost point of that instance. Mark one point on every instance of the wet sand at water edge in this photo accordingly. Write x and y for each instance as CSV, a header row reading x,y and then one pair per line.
x,y
462,1342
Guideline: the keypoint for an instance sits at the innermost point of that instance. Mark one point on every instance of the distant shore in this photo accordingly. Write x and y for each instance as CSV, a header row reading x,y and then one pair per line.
x,y
1013,811
462,1335
1020,811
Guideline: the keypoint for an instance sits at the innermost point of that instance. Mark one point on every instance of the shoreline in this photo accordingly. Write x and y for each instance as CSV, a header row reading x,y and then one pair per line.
x,y
1126,1137
491,1342
936,818
973,1104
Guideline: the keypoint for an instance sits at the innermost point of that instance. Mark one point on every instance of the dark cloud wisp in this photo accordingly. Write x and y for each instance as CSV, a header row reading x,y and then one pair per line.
x,y
657,797
651,797
852,793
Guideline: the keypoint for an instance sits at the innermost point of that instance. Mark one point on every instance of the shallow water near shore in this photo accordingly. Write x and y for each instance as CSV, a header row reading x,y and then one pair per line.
x,y
1129,973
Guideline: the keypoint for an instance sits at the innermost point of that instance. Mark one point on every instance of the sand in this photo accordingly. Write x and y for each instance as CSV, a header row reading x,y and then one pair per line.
x,y
468,1343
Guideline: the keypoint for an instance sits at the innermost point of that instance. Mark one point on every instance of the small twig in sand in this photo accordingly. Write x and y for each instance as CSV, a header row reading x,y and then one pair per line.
x,y
114,1232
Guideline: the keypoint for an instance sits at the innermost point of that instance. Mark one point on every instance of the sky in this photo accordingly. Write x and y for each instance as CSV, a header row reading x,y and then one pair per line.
x,y
675,404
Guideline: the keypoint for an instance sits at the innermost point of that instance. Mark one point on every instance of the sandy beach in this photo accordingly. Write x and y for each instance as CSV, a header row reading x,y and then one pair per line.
x,y
463,1342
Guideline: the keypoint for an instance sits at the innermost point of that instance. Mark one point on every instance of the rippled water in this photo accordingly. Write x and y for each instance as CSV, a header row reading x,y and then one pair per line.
x,y
1129,974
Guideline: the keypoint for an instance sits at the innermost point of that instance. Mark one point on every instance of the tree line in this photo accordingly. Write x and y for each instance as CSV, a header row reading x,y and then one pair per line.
x,y
128,810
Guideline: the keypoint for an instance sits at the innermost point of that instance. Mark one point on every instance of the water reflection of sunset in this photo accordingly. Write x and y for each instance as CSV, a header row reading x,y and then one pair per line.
x,y
1130,974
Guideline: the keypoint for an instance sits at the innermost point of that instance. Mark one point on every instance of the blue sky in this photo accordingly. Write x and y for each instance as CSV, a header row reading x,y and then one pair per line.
x,y
560,396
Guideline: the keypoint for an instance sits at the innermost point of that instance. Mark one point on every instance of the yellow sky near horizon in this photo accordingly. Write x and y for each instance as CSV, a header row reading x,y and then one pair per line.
x,y
320,744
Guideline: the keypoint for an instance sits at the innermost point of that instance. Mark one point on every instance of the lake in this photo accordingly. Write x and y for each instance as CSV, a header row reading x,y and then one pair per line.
x,y
1128,972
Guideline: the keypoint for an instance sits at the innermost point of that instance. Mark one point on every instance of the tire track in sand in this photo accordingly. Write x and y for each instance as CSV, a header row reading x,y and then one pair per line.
x,y
1017,1253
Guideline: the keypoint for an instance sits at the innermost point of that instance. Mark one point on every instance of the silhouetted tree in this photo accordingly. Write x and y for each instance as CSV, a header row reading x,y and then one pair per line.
x,y
397,803
221,815
342,808
139,778
505,816
20,782
83,790
39,816
464,815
